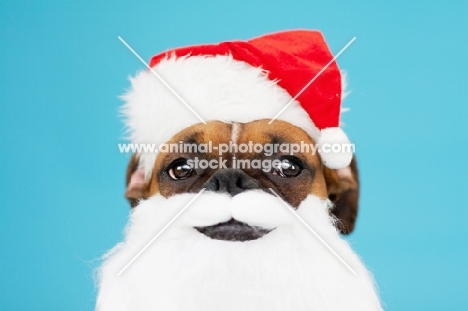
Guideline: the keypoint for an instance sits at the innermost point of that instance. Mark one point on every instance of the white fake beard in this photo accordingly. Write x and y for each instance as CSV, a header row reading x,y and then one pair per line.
x,y
287,269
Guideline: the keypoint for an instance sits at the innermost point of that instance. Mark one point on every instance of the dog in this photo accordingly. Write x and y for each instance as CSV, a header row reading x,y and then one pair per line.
x,y
220,227
342,187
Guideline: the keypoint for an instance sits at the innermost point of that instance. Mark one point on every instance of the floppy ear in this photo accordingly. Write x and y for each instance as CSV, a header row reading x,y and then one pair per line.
x,y
343,191
135,181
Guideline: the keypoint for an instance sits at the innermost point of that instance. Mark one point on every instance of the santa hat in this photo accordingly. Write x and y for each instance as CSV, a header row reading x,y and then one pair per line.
x,y
240,81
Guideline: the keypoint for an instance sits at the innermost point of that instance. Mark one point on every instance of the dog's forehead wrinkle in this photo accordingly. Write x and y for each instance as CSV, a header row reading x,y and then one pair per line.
x,y
192,137
276,139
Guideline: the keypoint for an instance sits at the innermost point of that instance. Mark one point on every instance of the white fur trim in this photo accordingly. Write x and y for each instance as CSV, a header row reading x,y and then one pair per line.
x,y
331,138
217,88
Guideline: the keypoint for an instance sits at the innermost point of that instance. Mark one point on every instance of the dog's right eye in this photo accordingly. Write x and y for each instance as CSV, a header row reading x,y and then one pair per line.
x,y
289,167
180,169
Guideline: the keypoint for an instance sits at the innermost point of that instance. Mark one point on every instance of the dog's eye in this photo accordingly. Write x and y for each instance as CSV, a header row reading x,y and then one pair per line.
x,y
180,169
289,167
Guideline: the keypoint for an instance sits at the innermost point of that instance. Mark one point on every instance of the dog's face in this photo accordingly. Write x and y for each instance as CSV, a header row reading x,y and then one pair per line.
x,y
235,246
292,175
242,227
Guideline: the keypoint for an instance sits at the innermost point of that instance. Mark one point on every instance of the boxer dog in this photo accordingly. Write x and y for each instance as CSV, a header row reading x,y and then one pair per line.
x,y
237,246
342,188
239,228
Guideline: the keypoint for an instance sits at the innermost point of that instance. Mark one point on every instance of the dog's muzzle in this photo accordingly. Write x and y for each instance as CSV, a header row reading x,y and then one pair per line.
x,y
233,182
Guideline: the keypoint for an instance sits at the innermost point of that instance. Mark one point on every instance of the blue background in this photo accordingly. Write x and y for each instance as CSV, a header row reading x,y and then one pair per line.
x,y
62,177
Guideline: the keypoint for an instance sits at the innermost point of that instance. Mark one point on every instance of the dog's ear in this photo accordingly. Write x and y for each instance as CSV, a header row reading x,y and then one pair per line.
x,y
135,181
343,191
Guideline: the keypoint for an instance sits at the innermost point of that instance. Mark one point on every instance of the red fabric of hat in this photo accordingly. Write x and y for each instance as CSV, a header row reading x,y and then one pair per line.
x,y
292,58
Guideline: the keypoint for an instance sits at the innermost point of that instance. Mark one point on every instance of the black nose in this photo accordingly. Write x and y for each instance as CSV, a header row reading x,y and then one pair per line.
x,y
232,181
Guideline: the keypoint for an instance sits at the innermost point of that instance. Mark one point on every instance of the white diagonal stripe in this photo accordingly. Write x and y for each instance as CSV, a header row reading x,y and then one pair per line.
x,y
160,232
313,79
162,80
313,232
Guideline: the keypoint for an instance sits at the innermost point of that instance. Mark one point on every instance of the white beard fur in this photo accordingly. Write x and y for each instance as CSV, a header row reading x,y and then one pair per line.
x,y
287,269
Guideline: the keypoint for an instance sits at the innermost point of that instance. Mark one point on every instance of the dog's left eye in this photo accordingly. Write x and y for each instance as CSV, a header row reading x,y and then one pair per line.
x,y
289,167
180,169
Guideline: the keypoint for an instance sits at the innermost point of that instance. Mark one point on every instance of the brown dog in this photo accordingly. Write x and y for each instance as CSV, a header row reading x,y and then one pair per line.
x,y
341,186
230,214
259,241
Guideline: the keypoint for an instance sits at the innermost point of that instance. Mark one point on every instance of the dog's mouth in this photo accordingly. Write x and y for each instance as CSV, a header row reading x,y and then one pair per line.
x,y
233,230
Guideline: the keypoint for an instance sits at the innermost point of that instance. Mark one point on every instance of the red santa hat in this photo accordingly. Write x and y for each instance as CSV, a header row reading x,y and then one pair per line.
x,y
241,81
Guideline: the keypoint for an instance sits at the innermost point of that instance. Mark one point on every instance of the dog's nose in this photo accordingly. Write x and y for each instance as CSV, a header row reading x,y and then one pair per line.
x,y
232,181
